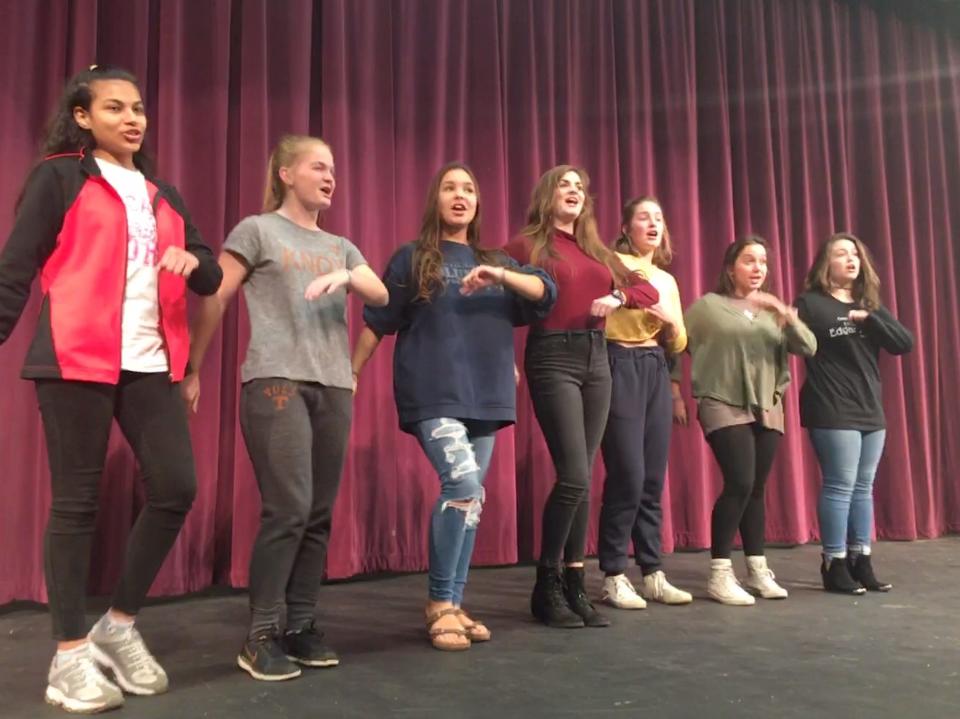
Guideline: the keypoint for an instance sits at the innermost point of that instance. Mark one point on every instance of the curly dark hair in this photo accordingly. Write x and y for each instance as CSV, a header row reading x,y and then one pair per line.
x,y
65,135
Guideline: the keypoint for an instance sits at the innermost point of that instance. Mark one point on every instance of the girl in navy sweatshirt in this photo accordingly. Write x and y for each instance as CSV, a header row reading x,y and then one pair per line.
x,y
841,403
453,306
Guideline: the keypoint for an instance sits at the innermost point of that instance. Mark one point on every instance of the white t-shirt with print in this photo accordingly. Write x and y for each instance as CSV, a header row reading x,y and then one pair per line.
x,y
142,344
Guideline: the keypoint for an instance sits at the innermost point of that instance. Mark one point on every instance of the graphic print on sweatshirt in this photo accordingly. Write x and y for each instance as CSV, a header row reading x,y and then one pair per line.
x,y
142,344
845,326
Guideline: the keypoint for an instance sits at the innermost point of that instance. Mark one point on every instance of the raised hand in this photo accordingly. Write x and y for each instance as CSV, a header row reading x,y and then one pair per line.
x,y
178,261
605,306
480,277
327,284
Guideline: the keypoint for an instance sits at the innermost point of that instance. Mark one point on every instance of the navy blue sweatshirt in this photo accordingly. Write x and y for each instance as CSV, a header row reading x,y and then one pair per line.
x,y
454,354
842,388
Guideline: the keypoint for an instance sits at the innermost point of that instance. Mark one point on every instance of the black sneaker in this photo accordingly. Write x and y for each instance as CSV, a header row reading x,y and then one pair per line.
x,y
305,646
836,577
577,599
264,659
861,569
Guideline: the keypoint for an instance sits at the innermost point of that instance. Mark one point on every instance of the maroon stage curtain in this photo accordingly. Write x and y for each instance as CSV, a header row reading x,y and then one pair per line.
x,y
790,119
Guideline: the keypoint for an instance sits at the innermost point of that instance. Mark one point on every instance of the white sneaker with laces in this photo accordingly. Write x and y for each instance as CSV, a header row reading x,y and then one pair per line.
x,y
724,587
761,579
656,588
76,683
121,649
619,592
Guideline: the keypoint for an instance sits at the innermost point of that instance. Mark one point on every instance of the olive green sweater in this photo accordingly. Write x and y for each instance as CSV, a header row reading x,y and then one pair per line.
x,y
739,360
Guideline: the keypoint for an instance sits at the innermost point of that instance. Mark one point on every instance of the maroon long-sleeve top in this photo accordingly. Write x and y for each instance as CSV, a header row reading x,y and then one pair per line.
x,y
580,280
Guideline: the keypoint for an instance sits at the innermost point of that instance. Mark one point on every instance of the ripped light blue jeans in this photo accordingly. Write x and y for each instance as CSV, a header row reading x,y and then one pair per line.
x,y
460,451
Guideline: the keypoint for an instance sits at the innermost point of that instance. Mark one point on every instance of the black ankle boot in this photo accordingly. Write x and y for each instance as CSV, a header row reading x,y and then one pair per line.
x,y
548,604
836,577
861,569
577,598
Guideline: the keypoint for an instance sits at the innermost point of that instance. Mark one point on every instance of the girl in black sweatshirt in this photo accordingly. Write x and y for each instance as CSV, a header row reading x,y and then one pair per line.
x,y
841,403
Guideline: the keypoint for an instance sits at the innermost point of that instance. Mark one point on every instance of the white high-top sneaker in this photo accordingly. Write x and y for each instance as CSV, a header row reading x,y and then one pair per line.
x,y
724,587
619,592
760,579
656,588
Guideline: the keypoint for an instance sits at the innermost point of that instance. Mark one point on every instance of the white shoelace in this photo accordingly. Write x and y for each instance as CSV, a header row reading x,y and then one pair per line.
x,y
85,673
135,653
623,585
659,580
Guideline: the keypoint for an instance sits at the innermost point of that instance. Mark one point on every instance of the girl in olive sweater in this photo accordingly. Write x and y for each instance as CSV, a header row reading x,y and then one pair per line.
x,y
739,337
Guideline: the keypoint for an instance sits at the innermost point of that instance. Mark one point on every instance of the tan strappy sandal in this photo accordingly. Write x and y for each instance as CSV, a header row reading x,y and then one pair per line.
x,y
435,634
477,631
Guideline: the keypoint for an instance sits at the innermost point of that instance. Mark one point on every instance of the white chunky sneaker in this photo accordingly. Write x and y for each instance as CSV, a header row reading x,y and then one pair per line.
x,y
76,684
121,649
760,579
619,592
656,588
724,587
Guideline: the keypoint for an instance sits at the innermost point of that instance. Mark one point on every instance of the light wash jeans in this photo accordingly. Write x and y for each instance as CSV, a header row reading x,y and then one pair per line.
x,y
460,451
848,461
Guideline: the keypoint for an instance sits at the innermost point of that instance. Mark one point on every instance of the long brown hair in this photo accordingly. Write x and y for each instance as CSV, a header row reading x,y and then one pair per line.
x,y
284,154
663,255
540,228
725,281
427,257
866,287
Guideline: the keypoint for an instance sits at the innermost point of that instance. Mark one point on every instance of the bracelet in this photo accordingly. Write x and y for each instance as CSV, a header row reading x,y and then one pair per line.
x,y
503,274
349,278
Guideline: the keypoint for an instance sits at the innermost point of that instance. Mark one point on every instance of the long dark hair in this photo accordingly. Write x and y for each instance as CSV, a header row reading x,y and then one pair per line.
x,y
663,255
427,257
725,281
65,135
540,229
866,288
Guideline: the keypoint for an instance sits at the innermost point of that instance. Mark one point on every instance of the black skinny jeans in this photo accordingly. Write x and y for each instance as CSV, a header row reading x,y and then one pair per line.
x,y
569,380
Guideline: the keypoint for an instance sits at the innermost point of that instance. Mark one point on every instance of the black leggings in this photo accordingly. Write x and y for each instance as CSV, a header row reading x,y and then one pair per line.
x,y
745,454
77,417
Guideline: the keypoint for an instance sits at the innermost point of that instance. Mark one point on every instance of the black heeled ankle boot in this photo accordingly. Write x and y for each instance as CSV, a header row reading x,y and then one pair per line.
x,y
836,577
578,600
861,569
548,604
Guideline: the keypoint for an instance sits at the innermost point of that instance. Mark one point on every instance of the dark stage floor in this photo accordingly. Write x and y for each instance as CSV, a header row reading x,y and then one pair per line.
x,y
813,655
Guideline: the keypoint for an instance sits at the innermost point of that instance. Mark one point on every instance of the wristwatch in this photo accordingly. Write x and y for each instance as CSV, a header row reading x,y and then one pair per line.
x,y
618,295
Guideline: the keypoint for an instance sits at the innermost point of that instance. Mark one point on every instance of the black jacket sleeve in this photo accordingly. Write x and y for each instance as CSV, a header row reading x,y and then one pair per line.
x,y
888,333
205,280
32,240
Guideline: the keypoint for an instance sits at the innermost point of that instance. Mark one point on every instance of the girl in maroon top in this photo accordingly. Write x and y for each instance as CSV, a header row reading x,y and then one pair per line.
x,y
569,377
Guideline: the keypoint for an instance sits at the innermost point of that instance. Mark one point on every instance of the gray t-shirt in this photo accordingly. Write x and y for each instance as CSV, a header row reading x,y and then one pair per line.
x,y
289,336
